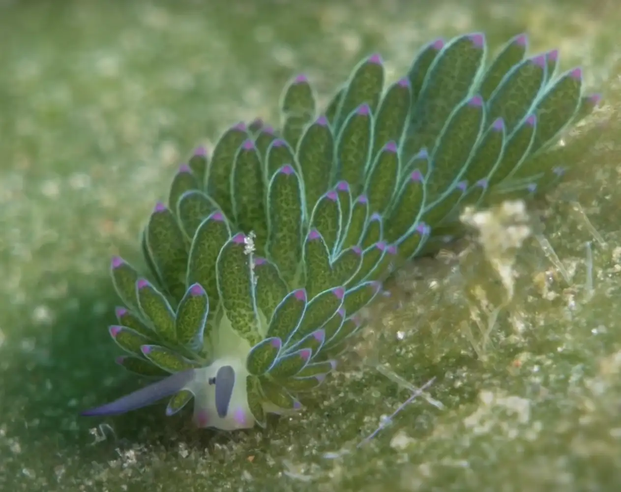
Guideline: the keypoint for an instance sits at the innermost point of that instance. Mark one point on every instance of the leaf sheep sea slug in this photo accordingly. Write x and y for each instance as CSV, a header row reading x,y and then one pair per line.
x,y
268,249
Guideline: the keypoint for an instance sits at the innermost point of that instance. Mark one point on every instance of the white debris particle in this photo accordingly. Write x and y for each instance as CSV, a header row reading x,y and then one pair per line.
x,y
401,441
27,344
520,407
129,457
15,447
108,65
80,181
249,242
616,254
42,315
183,450
486,418
502,231
50,188
59,471
486,397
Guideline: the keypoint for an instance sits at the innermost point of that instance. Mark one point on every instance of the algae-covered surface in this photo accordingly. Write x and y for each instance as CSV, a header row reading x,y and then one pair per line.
x,y
99,104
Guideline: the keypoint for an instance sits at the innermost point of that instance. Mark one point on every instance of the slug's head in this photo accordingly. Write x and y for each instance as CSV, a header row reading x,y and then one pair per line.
x,y
219,392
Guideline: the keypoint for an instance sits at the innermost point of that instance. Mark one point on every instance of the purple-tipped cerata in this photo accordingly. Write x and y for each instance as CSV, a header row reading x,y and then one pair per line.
x,y
438,44
521,40
539,60
391,146
313,234
159,207
375,58
332,195
552,55
197,290
114,330
339,292
478,39
476,101
239,238
300,294
422,228
422,154
576,73
416,176
342,186
142,283
241,126
319,335
287,169
117,262
363,110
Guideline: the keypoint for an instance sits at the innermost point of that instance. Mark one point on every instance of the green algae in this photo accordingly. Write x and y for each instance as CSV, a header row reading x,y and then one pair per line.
x,y
101,103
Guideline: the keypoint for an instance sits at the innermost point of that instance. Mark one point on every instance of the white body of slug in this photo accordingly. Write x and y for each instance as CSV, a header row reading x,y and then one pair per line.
x,y
237,415
228,349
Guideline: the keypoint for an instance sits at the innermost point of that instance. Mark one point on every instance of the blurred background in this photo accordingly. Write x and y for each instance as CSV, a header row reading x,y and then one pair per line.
x,y
100,101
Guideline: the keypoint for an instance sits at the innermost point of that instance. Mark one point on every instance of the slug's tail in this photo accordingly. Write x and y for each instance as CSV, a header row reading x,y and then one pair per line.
x,y
144,396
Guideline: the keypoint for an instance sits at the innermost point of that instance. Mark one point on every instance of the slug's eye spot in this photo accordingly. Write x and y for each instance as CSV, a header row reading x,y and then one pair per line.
x,y
212,381
225,381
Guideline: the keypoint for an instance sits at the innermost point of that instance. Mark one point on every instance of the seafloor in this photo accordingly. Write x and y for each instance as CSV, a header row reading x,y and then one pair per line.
x,y
99,103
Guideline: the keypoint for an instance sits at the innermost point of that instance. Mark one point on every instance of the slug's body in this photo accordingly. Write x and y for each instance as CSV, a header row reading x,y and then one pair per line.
x,y
268,250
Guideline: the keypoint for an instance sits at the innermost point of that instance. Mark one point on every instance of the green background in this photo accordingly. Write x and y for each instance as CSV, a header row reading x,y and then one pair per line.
x,y
99,104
